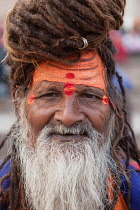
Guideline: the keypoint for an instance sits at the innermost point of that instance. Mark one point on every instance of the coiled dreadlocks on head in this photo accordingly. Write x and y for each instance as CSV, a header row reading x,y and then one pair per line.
x,y
38,30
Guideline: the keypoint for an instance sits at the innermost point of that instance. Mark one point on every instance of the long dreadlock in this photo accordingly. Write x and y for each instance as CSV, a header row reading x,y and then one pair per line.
x,y
38,30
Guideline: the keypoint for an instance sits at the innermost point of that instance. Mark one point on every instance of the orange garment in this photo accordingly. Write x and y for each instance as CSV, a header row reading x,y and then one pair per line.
x,y
121,204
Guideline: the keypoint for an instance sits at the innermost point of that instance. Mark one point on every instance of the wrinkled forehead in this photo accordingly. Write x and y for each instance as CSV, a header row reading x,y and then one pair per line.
x,y
89,71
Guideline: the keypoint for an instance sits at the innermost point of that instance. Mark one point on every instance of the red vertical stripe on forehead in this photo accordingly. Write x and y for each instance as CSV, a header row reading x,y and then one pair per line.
x,y
69,88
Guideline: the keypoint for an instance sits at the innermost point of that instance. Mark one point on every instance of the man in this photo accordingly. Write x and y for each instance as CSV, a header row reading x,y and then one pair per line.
x,y
71,144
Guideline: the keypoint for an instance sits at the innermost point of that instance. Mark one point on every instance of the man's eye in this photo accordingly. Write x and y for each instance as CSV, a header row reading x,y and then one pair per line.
x,y
49,95
88,95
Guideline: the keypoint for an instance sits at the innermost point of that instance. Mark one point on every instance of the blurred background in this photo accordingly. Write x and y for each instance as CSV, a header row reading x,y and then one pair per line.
x,y
127,41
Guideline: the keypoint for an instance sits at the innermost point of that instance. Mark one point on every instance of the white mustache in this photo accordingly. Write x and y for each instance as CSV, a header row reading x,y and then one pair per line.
x,y
85,129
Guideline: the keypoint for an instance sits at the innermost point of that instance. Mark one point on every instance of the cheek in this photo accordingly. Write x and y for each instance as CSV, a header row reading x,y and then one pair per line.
x,y
38,116
99,117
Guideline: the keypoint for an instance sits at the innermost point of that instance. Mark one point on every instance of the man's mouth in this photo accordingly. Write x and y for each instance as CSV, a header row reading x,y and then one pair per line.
x,y
67,137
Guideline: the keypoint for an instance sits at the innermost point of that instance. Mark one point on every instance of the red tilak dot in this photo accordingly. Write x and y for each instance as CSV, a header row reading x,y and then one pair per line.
x,y
70,76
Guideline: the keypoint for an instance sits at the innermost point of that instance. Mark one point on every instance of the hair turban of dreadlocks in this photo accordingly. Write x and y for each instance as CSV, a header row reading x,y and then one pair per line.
x,y
38,30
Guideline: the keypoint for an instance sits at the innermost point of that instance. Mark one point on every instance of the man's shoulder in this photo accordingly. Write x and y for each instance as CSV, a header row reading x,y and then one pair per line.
x,y
5,168
3,172
134,186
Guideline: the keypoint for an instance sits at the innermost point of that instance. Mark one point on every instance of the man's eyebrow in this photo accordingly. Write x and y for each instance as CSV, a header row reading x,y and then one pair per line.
x,y
46,86
89,88
56,86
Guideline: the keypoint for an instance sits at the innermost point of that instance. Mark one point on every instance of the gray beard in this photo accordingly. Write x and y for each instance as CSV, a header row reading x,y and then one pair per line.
x,y
68,175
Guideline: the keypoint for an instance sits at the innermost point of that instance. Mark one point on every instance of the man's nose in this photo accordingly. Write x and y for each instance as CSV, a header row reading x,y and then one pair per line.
x,y
69,112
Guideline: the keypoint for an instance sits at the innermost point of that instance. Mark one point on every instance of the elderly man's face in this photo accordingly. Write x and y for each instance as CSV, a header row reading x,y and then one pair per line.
x,y
69,146
47,103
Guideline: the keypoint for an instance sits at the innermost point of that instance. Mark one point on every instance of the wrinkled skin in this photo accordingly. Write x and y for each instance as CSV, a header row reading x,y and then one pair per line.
x,y
50,104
